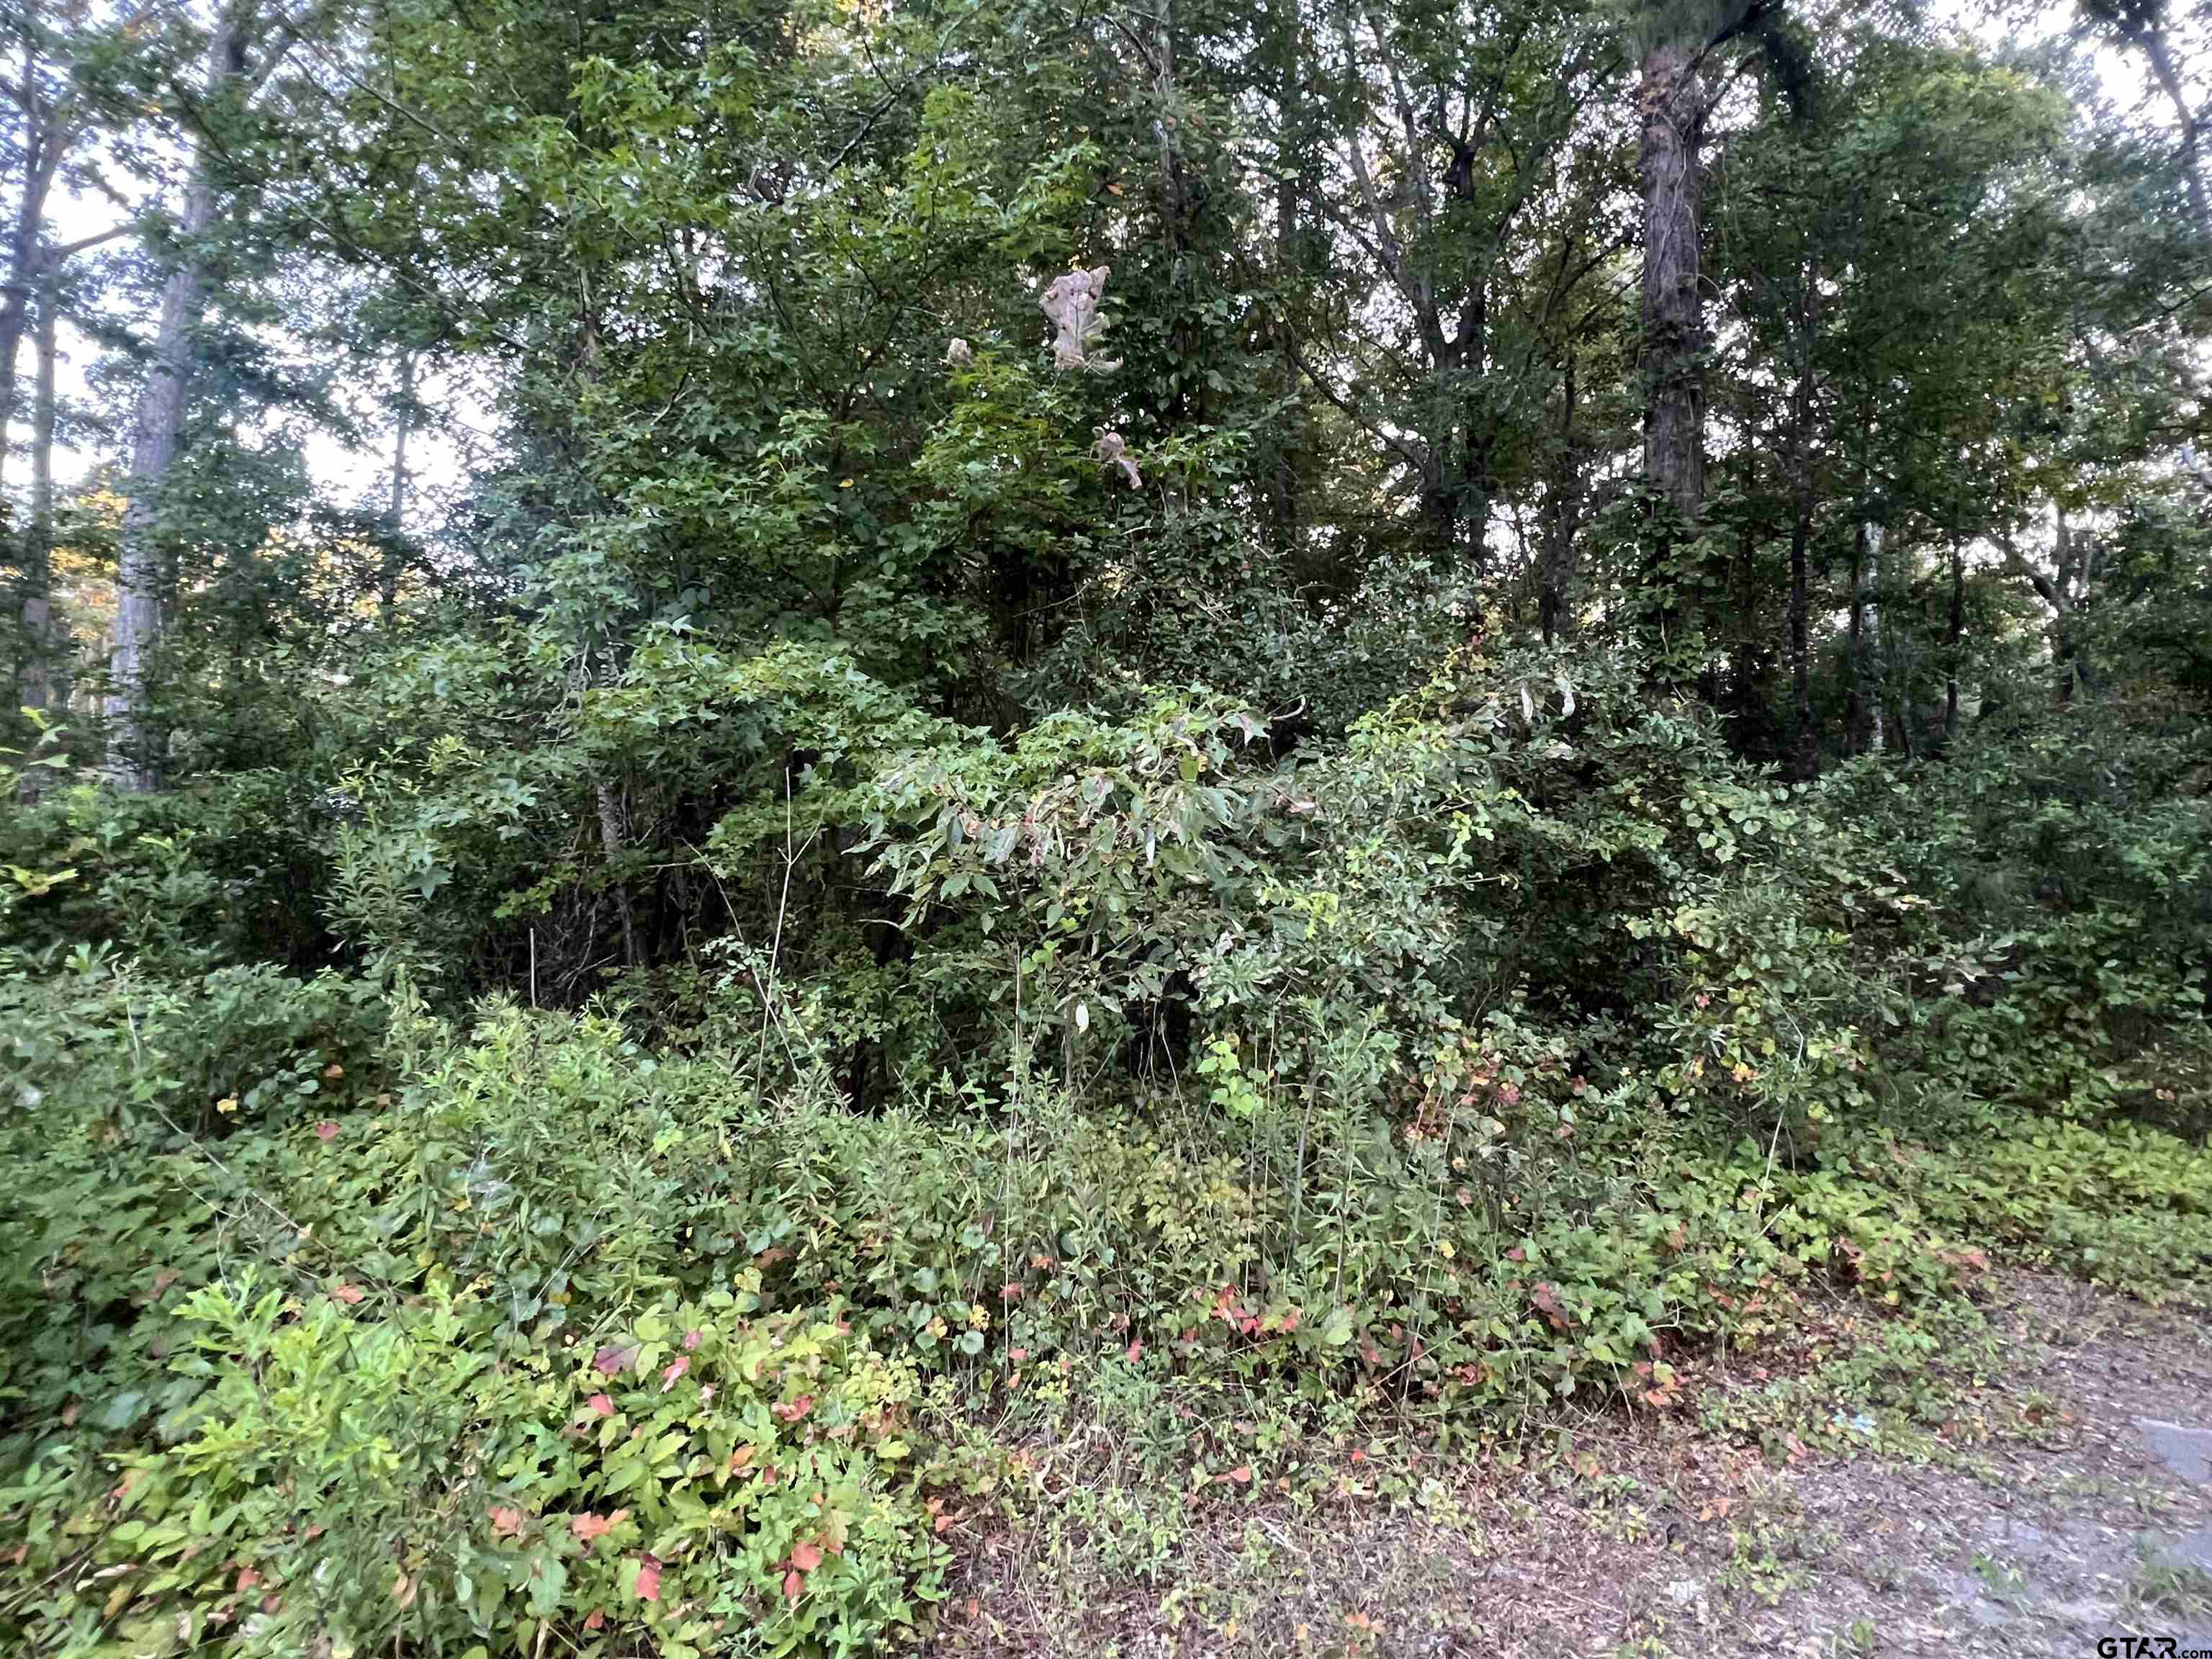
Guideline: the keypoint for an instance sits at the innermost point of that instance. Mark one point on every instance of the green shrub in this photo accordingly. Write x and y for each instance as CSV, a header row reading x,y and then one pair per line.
x,y
361,1475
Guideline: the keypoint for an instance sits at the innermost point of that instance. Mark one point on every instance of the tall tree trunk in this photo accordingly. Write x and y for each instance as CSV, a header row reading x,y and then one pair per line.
x,y
1295,186
1955,639
1563,504
1174,194
25,255
1876,668
136,743
395,511
1673,309
1189,399
1854,698
1283,486
2153,40
36,689
610,844
1440,503
1804,736
2063,632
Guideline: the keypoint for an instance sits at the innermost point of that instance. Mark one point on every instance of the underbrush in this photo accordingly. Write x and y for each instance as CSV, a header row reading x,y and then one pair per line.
x,y
536,1333
1130,1122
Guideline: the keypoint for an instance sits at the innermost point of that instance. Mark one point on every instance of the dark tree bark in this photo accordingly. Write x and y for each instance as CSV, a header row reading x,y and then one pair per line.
x,y
610,845
1283,485
1955,639
35,690
1563,508
1856,721
1669,104
1804,736
2070,590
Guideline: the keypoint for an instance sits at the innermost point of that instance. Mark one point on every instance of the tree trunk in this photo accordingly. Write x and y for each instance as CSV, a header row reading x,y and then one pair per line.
x,y
136,744
2063,640
1440,504
36,689
26,258
1876,669
395,512
610,844
1284,494
1673,310
1855,700
1954,639
1563,504
2168,76
1804,737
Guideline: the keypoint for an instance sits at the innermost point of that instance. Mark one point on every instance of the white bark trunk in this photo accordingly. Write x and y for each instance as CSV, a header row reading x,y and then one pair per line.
x,y
136,744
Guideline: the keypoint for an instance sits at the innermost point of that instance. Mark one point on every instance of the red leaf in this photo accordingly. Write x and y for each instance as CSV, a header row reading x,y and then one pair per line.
x,y
248,1578
602,1405
648,1578
504,1522
690,1340
1241,1475
1546,1297
162,1280
326,1130
1517,1254
806,1558
797,1409
611,1359
674,1371
588,1527
794,1586
349,1294
1136,1350
599,1618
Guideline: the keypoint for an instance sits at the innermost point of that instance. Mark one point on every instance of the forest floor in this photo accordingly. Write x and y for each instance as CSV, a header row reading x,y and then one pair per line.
x,y
2046,1484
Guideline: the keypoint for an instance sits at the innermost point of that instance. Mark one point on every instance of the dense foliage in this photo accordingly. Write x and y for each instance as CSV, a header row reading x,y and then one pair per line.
x,y
1262,724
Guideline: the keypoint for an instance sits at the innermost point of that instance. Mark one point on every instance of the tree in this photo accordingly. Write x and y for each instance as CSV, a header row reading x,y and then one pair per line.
x,y
240,53
1686,63
2151,27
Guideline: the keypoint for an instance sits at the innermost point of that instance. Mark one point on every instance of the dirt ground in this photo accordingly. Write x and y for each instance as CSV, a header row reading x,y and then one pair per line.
x,y
2065,1496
